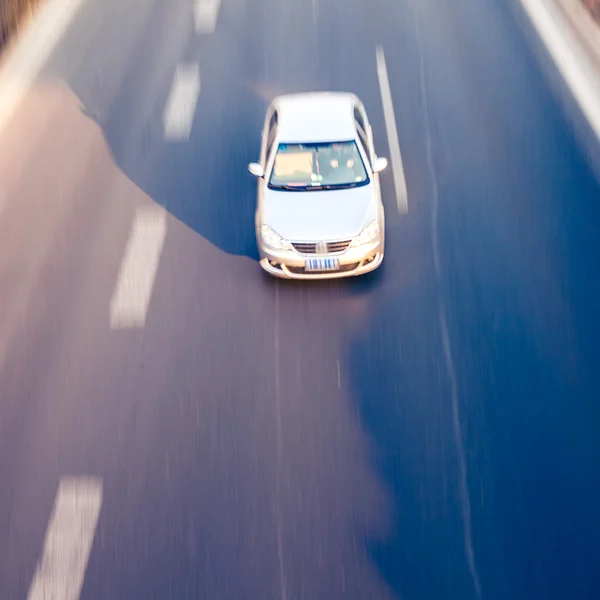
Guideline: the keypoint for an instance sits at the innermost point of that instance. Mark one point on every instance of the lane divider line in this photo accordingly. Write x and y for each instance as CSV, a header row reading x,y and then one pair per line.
x,y
68,542
206,15
32,52
131,298
179,112
392,133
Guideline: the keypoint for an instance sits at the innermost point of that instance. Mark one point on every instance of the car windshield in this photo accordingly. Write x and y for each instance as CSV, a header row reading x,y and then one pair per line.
x,y
318,167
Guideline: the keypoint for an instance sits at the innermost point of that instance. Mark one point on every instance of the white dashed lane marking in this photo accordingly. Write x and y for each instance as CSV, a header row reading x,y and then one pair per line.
x,y
133,291
206,15
392,133
181,104
68,542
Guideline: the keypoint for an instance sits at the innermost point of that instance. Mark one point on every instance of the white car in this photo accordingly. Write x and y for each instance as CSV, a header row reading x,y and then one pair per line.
x,y
319,213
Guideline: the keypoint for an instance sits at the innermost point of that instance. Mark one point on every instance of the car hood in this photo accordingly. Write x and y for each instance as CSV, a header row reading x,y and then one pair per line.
x,y
319,215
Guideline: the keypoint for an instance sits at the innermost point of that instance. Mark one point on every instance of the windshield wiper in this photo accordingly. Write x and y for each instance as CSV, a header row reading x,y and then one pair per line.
x,y
339,186
288,188
314,188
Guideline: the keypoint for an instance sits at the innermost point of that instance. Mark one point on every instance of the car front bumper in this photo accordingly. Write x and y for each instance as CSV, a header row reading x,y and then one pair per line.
x,y
289,264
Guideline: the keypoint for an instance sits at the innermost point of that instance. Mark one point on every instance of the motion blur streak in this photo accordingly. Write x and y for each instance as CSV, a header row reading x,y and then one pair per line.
x,y
279,451
579,72
427,431
21,68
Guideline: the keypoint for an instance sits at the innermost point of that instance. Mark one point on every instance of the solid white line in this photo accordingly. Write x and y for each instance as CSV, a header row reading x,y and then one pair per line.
x,y
131,297
315,10
69,537
32,52
577,71
392,133
206,15
181,105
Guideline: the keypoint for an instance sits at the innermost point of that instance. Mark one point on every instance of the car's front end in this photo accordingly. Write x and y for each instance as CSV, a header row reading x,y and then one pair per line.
x,y
322,259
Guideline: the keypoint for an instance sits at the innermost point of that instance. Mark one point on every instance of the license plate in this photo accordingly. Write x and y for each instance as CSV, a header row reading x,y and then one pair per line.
x,y
322,264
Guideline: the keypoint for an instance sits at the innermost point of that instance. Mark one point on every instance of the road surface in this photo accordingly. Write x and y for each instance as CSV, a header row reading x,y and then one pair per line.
x,y
175,424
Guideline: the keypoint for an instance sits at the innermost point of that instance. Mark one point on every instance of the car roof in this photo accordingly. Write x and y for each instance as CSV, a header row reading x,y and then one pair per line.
x,y
316,117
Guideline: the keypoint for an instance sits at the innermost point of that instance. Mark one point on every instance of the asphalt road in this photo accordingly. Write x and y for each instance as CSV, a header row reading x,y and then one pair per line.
x,y
429,431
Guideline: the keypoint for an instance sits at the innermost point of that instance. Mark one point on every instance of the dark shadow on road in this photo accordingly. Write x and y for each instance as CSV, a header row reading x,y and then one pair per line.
x,y
521,300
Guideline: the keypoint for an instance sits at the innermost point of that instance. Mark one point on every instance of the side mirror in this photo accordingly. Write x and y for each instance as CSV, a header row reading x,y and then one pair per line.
x,y
256,170
380,164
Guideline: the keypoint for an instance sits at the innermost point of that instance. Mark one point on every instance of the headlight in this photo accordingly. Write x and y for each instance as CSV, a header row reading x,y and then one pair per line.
x,y
369,234
273,240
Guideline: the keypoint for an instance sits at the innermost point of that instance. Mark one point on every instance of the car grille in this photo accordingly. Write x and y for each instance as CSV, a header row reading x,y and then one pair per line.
x,y
308,248
342,269
338,246
330,247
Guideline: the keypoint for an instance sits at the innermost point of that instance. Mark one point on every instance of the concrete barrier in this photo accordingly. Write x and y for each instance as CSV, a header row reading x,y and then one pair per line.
x,y
571,38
